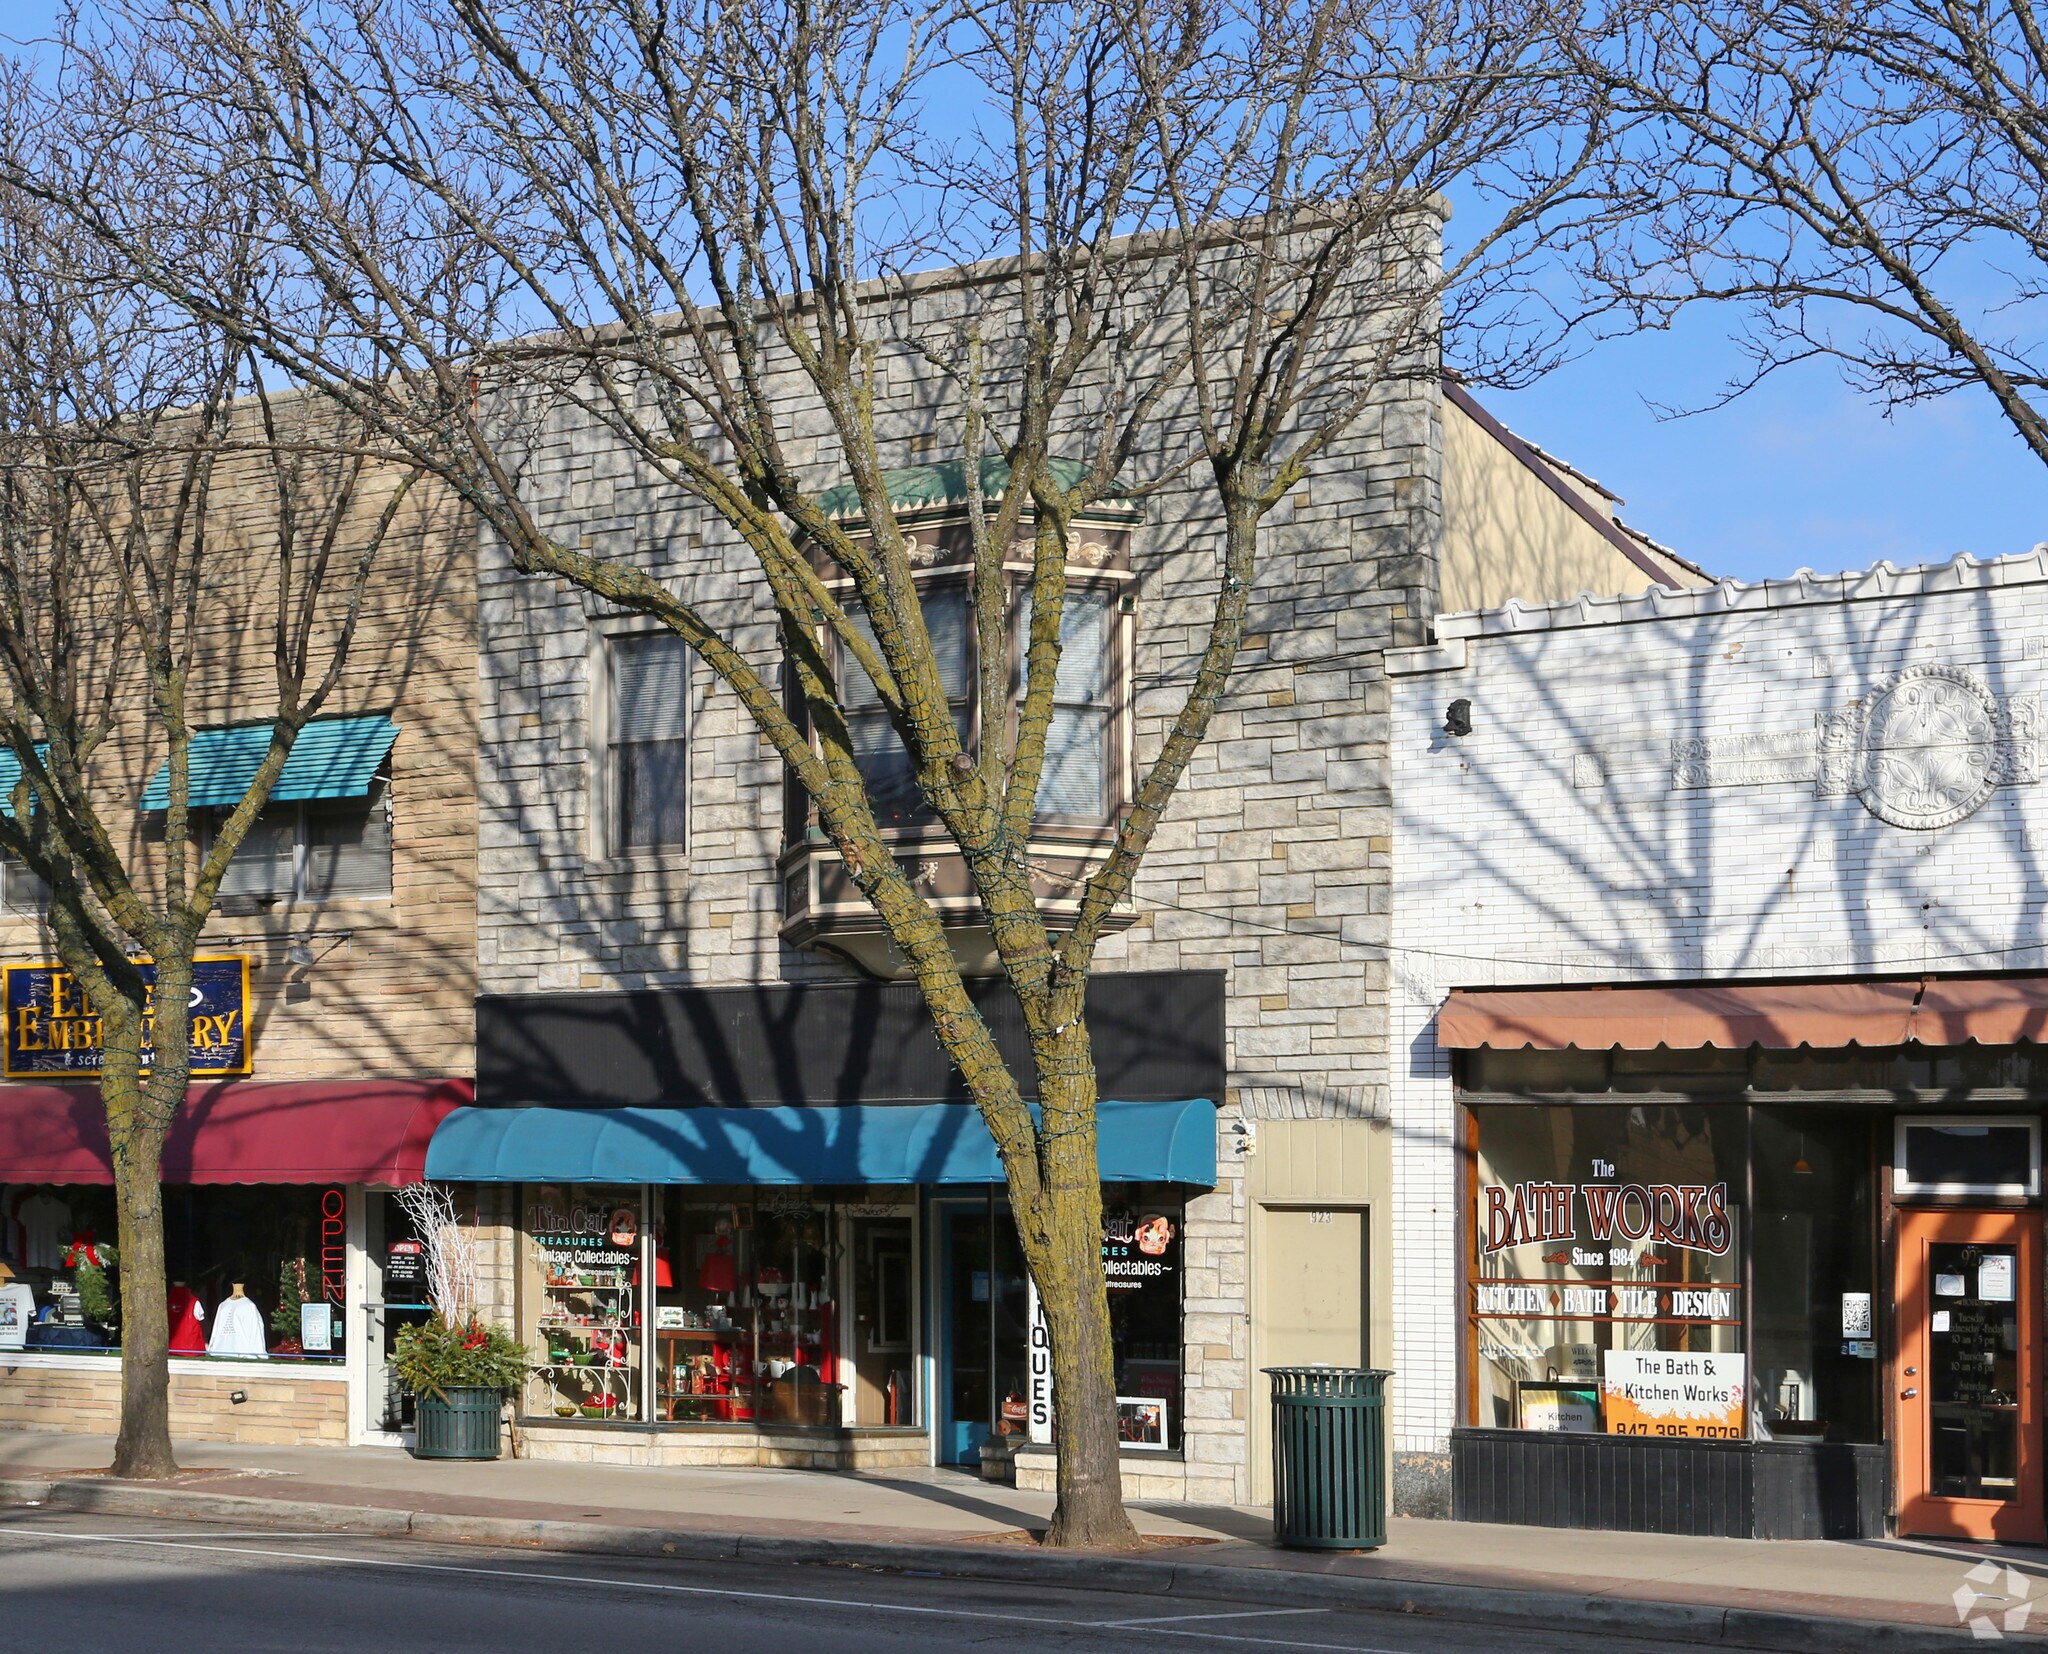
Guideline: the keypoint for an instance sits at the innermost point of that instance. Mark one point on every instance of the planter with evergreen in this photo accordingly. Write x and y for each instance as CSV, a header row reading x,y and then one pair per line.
x,y
458,1366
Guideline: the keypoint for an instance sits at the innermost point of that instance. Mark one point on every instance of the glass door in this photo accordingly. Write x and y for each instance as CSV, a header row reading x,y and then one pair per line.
x,y
983,1328
1968,1376
965,1290
395,1299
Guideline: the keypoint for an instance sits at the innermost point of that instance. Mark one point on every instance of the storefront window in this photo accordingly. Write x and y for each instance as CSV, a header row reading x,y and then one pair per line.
x,y
1813,1330
581,1300
1141,1267
1605,1290
255,1272
747,1317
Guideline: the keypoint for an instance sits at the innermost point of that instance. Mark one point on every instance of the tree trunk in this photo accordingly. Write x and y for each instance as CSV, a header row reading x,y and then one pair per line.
x,y
1068,1264
144,1448
1088,1477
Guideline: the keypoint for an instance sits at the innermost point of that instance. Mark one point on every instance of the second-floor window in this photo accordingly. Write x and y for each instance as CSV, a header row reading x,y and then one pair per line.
x,y
317,851
878,751
648,742
1075,780
1079,781
21,891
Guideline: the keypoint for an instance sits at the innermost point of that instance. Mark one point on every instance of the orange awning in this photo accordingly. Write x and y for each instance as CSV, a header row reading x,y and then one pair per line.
x,y
1930,1010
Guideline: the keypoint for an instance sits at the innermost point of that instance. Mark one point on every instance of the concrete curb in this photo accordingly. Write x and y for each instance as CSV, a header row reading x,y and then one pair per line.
x,y
1535,1609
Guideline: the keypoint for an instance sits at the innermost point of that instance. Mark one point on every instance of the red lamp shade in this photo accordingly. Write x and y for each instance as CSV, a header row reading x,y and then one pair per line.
x,y
663,1275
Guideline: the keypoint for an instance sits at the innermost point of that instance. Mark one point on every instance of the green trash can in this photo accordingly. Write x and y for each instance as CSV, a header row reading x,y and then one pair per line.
x,y
461,1423
1329,1457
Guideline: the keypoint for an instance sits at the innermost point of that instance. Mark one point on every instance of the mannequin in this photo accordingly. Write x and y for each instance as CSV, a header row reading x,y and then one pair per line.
x,y
237,1327
17,1310
188,1316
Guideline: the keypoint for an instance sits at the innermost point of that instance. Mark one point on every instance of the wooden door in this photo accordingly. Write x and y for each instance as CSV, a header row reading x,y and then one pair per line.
x,y
1967,1383
1311,1307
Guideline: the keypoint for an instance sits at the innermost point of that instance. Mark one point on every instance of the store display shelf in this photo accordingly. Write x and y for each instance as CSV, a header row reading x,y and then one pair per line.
x,y
574,1391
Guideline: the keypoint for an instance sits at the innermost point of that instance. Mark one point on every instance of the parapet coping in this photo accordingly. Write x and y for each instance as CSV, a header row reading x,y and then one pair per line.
x,y
1882,579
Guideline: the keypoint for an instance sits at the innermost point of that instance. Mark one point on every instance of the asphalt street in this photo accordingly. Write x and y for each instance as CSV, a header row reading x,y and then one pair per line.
x,y
104,1585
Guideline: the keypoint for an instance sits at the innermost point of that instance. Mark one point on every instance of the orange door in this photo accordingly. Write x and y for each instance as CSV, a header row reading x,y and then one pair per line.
x,y
1968,1377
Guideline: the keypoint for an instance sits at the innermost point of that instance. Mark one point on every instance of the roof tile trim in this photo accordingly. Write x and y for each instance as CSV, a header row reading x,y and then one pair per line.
x,y
1962,573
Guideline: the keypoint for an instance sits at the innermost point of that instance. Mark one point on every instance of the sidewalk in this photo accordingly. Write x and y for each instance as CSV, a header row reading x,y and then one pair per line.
x,y
957,1524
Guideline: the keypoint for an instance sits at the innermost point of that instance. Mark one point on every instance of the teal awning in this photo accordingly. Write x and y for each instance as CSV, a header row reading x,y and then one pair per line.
x,y
332,758
10,773
857,1143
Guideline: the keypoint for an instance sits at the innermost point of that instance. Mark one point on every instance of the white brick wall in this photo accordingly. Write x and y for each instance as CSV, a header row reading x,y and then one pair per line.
x,y
1554,843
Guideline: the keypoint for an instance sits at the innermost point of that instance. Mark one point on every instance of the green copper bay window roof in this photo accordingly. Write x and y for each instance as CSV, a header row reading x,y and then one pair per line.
x,y
944,483
332,758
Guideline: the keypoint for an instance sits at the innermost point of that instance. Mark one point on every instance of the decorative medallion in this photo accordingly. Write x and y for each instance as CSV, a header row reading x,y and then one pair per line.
x,y
1932,748
1926,748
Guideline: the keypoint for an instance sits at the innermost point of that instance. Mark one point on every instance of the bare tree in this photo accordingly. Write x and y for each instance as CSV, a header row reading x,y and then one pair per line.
x,y
453,1252
150,481
1213,242
1871,182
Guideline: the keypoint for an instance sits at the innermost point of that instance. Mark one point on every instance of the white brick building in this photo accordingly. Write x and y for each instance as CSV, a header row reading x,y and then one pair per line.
x,y
1794,830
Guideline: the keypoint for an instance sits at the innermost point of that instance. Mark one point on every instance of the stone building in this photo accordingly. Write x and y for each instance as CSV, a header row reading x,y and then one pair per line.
x,y
722,1154
1718,986
338,997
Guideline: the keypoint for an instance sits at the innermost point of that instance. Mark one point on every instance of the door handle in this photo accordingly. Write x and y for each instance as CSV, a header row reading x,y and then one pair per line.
x,y
1908,1395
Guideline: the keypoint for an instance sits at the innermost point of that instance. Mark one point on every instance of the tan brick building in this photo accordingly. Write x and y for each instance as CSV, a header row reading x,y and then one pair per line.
x,y
350,916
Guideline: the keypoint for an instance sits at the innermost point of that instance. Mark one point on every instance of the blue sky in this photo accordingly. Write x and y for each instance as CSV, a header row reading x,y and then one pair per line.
x,y
1802,473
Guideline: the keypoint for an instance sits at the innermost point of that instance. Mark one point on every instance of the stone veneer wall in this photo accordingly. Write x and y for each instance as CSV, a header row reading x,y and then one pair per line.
x,y
279,1409
493,1211
1642,796
1273,863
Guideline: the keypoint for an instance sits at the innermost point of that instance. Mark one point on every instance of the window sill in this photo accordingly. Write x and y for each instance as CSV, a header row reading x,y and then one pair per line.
x,y
1136,1457
109,1360
654,860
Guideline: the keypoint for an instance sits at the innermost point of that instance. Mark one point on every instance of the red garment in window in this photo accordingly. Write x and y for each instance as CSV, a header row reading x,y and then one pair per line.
x,y
828,1342
188,1336
715,1275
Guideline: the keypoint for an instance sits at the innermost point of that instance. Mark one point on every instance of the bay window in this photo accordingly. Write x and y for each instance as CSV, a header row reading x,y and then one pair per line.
x,y
878,751
1078,781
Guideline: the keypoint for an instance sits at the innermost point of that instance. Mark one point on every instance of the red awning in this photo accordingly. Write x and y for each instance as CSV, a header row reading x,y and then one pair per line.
x,y
239,1131
1932,1010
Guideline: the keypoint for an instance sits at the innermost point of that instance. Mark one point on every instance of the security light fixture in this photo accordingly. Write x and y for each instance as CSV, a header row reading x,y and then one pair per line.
x,y
300,954
1458,717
